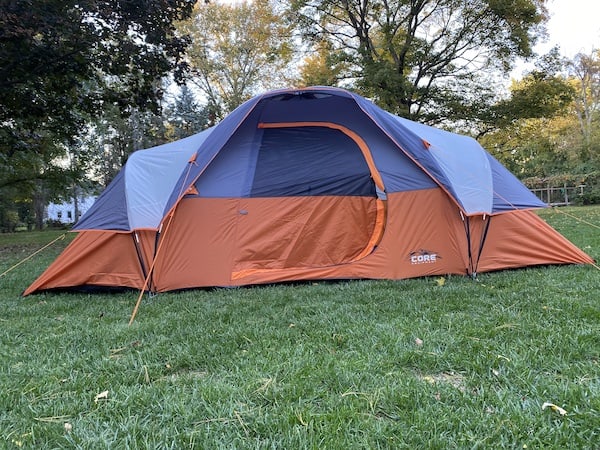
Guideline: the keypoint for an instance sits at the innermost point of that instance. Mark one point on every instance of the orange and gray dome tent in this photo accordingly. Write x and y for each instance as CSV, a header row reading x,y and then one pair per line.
x,y
306,184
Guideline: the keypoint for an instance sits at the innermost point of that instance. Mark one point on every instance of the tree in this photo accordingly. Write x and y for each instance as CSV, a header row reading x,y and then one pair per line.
x,y
236,50
531,147
549,125
186,116
323,67
585,70
543,93
108,141
424,59
530,130
64,61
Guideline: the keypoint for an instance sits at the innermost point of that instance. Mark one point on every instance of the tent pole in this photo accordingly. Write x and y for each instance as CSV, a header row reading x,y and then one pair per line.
x,y
138,251
170,214
469,249
482,243
150,270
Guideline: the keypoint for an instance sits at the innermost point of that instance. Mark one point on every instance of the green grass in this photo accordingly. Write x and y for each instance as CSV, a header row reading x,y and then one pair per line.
x,y
310,366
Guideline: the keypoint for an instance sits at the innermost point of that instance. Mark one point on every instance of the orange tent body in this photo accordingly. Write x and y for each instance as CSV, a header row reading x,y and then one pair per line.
x,y
308,184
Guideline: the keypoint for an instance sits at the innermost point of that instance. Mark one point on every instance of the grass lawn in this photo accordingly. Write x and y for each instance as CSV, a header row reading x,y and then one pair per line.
x,y
349,365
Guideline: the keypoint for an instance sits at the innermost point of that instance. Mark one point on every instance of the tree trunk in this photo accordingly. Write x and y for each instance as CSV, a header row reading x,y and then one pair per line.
x,y
39,206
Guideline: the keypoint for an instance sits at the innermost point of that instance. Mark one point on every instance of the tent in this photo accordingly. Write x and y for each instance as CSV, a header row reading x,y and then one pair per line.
x,y
306,184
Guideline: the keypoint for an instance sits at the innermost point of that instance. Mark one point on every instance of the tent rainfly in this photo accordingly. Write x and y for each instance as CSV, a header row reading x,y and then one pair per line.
x,y
306,184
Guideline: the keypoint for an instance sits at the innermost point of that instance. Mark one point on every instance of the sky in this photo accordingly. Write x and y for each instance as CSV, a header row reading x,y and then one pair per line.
x,y
574,25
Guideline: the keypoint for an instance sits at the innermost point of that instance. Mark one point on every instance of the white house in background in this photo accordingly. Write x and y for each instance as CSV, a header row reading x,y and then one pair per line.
x,y
65,212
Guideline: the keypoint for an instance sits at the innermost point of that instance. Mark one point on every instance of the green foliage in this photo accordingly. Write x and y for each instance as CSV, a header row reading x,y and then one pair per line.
x,y
548,126
588,179
591,197
587,186
63,61
324,67
9,219
585,72
538,95
356,364
112,137
186,116
235,51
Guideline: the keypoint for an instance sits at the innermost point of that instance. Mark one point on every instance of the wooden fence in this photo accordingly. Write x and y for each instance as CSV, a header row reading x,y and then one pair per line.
x,y
559,196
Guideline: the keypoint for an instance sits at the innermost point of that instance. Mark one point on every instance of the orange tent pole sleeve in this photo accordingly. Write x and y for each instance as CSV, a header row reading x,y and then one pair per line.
x,y
364,148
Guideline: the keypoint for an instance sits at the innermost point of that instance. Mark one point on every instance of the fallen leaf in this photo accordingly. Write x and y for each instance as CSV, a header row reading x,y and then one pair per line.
x,y
418,342
301,420
101,396
555,408
441,281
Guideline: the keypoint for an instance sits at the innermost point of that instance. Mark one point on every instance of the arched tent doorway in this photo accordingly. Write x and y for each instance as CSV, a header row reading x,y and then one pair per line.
x,y
323,211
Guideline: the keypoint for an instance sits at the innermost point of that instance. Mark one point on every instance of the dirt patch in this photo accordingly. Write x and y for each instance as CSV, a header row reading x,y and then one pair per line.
x,y
456,380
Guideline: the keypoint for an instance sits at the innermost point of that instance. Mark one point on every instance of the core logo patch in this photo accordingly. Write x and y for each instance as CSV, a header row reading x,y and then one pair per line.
x,y
423,257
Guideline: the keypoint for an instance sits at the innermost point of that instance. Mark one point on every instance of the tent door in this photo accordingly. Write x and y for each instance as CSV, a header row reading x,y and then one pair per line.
x,y
317,200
